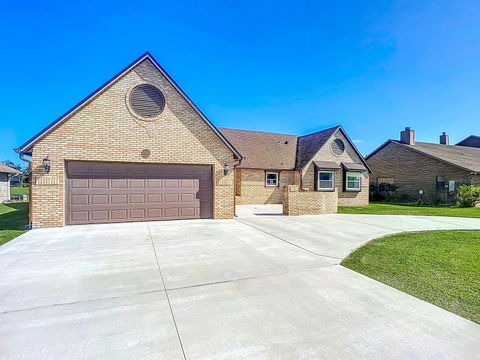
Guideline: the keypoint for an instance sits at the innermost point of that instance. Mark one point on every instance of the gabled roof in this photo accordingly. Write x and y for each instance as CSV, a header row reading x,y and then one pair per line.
x,y
472,141
26,148
309,145
266,150
263,150
7,169
463,157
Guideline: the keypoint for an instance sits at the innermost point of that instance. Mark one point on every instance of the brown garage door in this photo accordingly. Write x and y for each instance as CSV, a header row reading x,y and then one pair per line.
x,y
117,192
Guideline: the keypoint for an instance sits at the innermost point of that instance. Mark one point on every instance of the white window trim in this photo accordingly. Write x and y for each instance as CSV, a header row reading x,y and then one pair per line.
x,y
318,180
359,174
272,173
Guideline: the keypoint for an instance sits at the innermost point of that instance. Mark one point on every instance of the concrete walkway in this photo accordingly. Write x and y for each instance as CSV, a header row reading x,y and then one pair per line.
x,y
258,287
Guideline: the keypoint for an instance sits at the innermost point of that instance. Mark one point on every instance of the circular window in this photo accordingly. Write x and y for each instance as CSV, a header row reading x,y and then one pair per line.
x,y
338,147
146,101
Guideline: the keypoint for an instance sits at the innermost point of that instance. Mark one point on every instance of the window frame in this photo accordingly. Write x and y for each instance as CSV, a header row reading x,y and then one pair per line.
x,y
331,172
359,175
440,179
277,182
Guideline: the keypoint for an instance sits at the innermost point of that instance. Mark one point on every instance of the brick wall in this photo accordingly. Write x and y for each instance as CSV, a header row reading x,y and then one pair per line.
x,y
413,171
297,202
4,187
251,188
105,130
345,198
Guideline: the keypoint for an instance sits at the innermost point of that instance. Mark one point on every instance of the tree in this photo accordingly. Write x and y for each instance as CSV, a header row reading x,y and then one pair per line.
x,y
22,169
17,166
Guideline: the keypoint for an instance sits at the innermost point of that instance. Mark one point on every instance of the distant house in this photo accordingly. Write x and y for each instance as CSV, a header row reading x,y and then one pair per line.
x,y
471,141
6,173
424,170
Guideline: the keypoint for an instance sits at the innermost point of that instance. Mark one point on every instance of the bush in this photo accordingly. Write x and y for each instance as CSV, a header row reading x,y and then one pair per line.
x,y
468,195
384,192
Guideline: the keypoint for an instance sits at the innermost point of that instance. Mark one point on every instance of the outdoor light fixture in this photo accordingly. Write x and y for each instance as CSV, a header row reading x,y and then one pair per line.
x,y
46,164
226,169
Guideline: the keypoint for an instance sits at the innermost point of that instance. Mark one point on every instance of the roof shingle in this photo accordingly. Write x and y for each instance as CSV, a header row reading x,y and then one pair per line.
x,y
462,156
263,150
308,145
7,169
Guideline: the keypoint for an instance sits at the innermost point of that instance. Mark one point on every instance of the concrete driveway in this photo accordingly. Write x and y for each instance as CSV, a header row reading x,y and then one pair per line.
x,y
258,287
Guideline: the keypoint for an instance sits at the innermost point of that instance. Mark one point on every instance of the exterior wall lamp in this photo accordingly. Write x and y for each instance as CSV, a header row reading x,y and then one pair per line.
x,y
46,164
226,169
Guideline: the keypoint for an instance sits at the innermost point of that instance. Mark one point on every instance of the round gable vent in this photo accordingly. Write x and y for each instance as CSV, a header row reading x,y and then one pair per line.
x,y
338,147
146,101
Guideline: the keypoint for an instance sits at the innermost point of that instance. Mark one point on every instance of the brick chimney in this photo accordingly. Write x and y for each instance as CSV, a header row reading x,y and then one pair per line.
x,y
444,138
407,136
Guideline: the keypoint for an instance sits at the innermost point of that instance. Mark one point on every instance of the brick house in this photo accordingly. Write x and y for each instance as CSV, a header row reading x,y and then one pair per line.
x,y
6,172
324,164
138,149
426,171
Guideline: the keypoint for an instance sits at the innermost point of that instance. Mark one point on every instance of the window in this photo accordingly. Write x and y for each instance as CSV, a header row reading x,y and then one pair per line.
x,y
353,181
451,186
326,180
440,182
271,178
337,146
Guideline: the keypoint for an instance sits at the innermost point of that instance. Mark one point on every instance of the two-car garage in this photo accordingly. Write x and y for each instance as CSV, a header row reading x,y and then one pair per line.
x,y
101,192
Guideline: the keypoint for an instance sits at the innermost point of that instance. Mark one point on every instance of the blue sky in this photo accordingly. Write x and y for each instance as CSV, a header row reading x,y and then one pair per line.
x,y
371,66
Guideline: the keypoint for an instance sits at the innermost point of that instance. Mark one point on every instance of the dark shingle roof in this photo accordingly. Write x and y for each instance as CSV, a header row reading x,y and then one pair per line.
x,y
308,145
462,156
472,140
7,169
263,150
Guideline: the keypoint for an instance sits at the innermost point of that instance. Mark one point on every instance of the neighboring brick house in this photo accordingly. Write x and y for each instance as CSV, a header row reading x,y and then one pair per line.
x,y
6,172
470,141
424,171
325,161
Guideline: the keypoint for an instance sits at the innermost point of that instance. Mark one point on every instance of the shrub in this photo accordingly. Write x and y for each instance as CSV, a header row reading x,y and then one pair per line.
x,y
468,195
384,192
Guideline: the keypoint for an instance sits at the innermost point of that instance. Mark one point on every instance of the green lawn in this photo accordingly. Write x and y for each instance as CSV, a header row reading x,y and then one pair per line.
x,y
19,190
398,209
441,267
13,219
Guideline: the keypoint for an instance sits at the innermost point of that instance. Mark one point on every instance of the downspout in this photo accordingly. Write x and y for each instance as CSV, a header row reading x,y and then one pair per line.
x,y
236,163
22,157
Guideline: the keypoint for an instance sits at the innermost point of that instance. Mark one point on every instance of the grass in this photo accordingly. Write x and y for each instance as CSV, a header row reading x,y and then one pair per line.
x,y
19,190
399,209
441,267
13,219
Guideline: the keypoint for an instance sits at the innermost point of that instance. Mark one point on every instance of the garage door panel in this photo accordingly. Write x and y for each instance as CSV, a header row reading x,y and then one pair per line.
x,y
137,199
137,214
80,216
118,183
99,183
79,183
154,183
137,183
137,192
154,198
119,215
117,199
100,215
79,199
100,199
171,198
